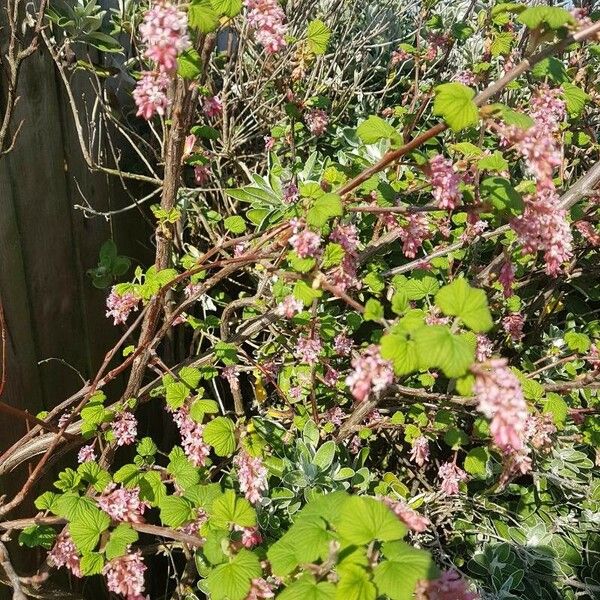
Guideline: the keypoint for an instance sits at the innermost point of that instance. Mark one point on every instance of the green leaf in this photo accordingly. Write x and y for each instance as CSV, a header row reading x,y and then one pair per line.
x,y
401,351
146,447
229,8
551,16
459,299
317,36
438,347
201,407
175,511
494,162
325,455
454,103
202,16
324,208
190,376
235,224
220,434
421,284
176,394
189,64
513,117
305,293
502,43
502,195
37,535
355,584
71,506
47,501
579,342
397,577
206,132
374,129
119,539
152,488
92,563
85,530
558,408
365,519
228,508
551,68
373,310
183,471
232,580
332,256
467,149
95,475
476,462
129,475
307,588
575,98
301,265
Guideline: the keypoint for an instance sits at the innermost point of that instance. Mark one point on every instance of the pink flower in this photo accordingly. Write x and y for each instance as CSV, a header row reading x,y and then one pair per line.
x,y
188,148
64,554
588,232
419,453
64,418
232,375
344,276
164,31
202,174
451,476
150,94
543,226
268,19
125,575
260,589
252,476
86,454
251,536
501,399
306,243
444,181
346,236
192,289
342,344
289,307
433,317
414,233
465,77
122,504
121,305
513,325
484,348
269,142
449,586
331,376
193,527
399,56
548,110
212,107
335,415
371,374
355,445
506,277
192,441
317,121
290,193
125,428
410,517
539,430
308,349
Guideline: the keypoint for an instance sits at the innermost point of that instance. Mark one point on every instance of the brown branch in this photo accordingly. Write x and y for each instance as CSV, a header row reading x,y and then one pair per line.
x,y
13,578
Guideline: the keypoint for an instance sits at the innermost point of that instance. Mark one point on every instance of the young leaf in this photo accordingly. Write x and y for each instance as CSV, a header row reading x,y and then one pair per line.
x,y
229,8
228,508
232,580
355,584
374,129
235,224
459,299
437,347
189,64
454,103
86,528
175,511
220,434
202,16
502,195
317,36
476,462
119,539
373,310
307,588
92,563
37,535
324,208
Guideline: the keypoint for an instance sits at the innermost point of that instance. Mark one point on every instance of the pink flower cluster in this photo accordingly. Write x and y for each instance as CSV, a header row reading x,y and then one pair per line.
x,y
484,348
86,454
290,193
252,476
289,306
212,107
419,452
335,415
202,174
399,56
125,576
444,181
346,236
513,325
305,242
410,517
343,276
317,121
260,589
120,306
414,233
194,446
268,19
449,586
539,430
64,554
506,277
122,504
450,477
125,428
308,349
371,374
164,32
500,398
586,229
251,536
342,344
465,77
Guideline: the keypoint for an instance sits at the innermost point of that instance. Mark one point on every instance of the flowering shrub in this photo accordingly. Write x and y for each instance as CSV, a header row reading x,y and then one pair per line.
x,y
372,357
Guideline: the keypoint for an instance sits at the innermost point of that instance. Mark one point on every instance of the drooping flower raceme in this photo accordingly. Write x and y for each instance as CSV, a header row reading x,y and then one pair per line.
x,y
125,575
506,277
371,374
317,121
513,325
419,453
450,477
342,344
122,504
150,94
500,398
289,306
252,475
444,181
449,586
64,554
306,243
212,107
308,349
192,440
414,233
120,306
484,348
125,428
260,589
410,517
86,454
267,18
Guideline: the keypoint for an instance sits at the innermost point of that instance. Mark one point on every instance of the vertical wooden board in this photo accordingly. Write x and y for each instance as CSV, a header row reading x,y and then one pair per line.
x,y
36,167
